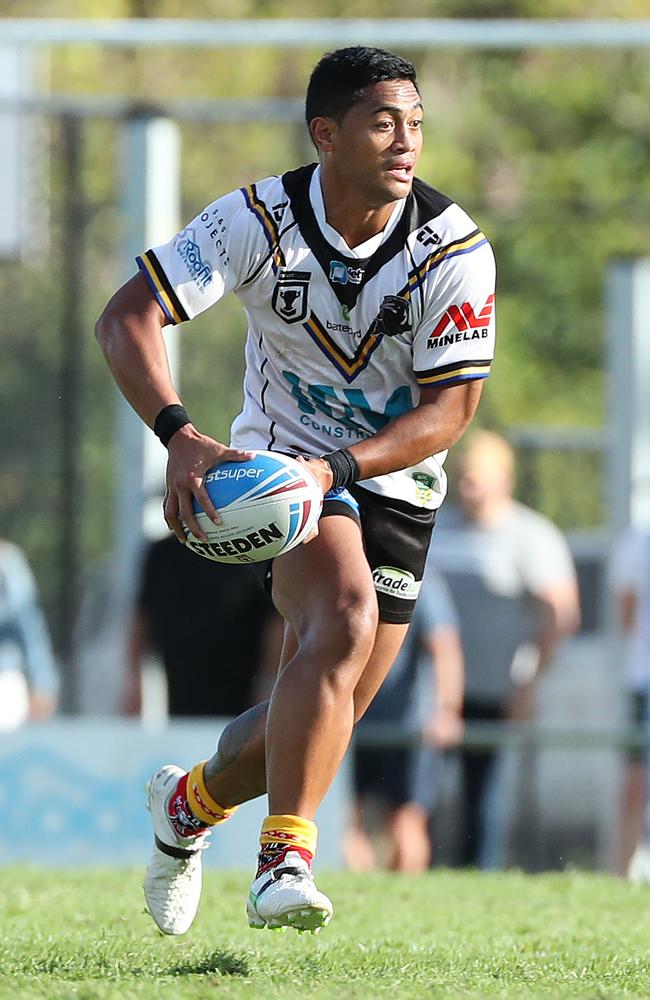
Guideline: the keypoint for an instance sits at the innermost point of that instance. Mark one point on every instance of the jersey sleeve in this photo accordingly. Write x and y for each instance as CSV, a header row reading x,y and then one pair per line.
x,y
454,340
213,255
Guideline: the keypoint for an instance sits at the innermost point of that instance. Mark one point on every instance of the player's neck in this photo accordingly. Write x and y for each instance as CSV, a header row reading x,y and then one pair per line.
x,y
352,218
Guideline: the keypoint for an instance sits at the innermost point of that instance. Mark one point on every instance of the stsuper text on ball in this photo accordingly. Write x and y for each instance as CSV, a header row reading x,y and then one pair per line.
x,y
268,505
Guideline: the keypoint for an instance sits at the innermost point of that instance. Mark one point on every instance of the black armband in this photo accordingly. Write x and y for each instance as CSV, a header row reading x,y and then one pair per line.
x,y
344,466
170,419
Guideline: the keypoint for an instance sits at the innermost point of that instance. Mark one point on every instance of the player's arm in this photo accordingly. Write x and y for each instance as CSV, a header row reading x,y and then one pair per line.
x,y
434,425
438,421
129,332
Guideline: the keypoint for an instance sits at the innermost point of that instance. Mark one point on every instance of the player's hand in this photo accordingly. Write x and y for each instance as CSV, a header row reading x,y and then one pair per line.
x,y
444,729
320,470
322,473
190,456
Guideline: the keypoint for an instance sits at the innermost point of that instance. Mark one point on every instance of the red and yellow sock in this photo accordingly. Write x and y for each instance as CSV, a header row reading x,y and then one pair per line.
x,y
191,808
280,834
202,804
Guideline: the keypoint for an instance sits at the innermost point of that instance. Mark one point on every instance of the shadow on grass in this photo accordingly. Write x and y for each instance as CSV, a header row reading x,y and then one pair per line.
x,y
223,962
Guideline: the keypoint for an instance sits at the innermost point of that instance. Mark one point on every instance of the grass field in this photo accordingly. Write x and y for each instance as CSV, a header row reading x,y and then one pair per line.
x,y
84,936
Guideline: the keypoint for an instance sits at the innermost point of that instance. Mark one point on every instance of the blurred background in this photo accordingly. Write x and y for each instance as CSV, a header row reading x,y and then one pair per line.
x,y
117,127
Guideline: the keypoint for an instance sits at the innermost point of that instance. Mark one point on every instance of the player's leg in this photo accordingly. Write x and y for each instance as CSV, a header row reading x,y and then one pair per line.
x,y
394,536
184,807
326,593
237,771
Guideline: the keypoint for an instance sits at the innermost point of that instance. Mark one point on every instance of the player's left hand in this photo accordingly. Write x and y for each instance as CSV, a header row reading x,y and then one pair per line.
x,y
322,472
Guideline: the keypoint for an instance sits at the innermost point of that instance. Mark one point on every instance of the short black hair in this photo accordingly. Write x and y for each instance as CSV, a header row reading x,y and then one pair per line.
x,y
338,81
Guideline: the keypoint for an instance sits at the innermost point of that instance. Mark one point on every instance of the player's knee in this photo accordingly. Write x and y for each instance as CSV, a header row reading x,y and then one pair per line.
x,y
354,626
340,647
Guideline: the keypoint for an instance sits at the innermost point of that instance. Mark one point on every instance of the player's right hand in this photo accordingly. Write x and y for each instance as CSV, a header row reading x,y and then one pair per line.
x,y
190,455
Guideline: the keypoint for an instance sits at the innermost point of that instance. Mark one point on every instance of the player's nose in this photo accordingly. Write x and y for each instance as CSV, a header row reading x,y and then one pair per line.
x,y
403,138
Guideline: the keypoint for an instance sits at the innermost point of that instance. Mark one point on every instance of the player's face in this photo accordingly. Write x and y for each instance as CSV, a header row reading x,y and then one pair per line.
x,y
378,142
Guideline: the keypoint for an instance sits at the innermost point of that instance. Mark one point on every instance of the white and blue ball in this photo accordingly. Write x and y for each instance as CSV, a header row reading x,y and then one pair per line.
x,y
267,505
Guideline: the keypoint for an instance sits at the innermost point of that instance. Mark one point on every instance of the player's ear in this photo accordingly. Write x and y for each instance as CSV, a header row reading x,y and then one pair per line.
x,y
323,131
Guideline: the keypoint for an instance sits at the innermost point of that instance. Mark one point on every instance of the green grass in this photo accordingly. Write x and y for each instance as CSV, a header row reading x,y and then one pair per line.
x,y
84,936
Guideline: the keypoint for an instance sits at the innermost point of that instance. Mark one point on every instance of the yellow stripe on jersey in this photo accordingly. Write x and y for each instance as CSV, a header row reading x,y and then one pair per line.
x,y
160,289
348,366
433,260
260,211
468,371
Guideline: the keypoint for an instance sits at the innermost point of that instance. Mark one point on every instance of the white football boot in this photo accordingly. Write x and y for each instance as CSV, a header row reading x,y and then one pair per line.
x,y
172,884
286,896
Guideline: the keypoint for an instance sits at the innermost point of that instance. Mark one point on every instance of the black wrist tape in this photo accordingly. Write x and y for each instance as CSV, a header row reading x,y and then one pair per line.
x,y
170,419
344,466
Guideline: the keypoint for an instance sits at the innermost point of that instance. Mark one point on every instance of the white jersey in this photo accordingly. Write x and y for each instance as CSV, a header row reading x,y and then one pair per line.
x,y
339,340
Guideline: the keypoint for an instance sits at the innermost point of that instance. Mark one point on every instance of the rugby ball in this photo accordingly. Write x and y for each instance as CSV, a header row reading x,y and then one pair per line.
x,y
268,505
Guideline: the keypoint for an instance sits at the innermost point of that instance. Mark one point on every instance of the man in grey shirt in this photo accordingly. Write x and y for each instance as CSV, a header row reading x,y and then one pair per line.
x,y
513,582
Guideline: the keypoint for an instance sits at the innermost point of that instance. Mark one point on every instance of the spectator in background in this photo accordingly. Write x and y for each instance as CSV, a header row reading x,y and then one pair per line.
x,y
213,628
29,678
421,698
630,585
513,583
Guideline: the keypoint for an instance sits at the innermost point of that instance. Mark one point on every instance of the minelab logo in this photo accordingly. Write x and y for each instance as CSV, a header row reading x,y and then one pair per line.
x,y
398,582
469,326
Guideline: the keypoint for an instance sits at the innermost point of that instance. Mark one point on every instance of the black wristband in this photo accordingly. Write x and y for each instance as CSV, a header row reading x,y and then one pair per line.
x,y
170,419
344,466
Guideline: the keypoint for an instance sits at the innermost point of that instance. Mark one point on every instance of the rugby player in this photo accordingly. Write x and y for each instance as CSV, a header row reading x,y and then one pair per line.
x,y
369,299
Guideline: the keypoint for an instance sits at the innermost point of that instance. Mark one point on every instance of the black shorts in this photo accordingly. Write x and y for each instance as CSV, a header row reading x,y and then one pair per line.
x,y
396,538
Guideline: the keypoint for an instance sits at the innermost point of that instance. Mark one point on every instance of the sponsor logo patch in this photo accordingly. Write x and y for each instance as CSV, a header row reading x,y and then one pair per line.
x,y
397,582
190,253
461,323
393,318
424,486
341,274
